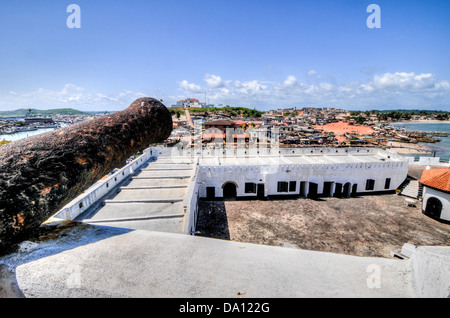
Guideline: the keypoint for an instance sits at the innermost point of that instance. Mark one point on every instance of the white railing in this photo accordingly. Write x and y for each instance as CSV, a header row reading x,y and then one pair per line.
x,y
206,152
428,161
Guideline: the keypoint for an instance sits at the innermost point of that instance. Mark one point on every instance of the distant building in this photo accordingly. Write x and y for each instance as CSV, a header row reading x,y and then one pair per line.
x,y
221,125
436,193
190,102
38,120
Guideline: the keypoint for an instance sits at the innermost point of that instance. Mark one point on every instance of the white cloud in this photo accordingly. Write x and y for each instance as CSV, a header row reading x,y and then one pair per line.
x,y
399,90
213,81
312,73
249,88
70,96
381,90
404,81
290,81
189,87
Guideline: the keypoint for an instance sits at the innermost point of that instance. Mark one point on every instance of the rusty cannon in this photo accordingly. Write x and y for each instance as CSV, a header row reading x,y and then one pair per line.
x,y
41,174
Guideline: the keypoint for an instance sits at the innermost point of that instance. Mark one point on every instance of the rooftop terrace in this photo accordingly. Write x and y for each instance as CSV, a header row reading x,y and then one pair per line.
x,y
129,239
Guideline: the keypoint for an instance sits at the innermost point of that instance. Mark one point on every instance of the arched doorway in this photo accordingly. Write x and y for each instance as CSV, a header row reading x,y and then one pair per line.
x,y
434,207
354,190
229,190
347,190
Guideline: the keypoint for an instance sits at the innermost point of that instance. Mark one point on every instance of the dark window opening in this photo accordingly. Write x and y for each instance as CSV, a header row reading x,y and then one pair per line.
x,y
283,186
292,186
370,184
387,184
250,188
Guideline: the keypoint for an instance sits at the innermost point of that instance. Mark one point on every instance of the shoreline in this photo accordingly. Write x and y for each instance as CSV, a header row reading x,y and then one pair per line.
x,y
422,122
404,148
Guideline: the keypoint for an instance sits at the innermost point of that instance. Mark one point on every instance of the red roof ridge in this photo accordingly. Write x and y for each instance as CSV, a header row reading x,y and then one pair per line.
x,y
437,178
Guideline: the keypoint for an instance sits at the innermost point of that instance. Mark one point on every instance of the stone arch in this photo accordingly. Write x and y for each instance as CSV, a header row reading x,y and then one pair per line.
x,y
230,189
347,190
223,185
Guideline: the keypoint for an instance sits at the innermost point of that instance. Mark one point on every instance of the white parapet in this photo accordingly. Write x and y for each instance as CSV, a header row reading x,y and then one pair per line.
x,y
84,201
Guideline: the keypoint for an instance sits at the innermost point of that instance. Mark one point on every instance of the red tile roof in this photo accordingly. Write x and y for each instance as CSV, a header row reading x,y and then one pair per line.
x,y
436,178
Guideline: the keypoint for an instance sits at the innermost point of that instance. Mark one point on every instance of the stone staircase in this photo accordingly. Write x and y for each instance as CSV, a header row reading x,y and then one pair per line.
x,y
152,199
411,188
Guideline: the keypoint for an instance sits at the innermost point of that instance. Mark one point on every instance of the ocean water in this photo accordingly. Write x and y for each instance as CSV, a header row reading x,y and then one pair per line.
x,y
24,134
442,148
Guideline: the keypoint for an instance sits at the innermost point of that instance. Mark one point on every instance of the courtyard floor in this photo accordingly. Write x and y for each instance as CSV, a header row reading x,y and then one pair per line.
x,y
371,225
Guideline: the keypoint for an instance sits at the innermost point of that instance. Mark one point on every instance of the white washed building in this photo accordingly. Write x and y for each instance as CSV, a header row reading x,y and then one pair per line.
x,y
436,193
301,172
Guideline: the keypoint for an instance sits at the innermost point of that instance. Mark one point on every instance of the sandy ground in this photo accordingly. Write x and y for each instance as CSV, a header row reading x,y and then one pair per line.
x,y
364,226
404,148
340,128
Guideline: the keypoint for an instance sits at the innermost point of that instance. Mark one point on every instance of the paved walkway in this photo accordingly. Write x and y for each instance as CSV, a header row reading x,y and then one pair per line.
x,y
93,261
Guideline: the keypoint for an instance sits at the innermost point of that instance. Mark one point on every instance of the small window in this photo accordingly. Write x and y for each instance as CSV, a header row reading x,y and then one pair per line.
x,y
283,186
292,186
80,205
370,184
387,184
250,188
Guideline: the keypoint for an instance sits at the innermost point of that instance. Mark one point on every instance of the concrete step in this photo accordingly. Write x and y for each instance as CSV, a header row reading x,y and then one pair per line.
x,y
164,173
136,210
168,224
168,200
167,169
140,194
161,177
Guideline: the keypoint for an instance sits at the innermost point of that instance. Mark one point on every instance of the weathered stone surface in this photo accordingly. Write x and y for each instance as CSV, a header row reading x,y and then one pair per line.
x,y
40,174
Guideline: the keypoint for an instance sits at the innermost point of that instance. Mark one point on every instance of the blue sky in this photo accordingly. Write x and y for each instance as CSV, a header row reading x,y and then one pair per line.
x,y
262,54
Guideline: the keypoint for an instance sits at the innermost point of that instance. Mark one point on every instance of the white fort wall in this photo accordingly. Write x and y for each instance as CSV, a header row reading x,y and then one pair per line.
x,y
355,175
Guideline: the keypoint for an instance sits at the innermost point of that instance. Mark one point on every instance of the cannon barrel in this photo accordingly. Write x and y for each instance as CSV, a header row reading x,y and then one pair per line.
x,y
41,174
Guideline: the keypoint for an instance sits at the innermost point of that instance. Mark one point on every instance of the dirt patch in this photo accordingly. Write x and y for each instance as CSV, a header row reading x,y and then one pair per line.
x,y
364,226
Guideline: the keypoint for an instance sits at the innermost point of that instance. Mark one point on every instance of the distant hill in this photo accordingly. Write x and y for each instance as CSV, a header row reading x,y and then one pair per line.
x,y
38,112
